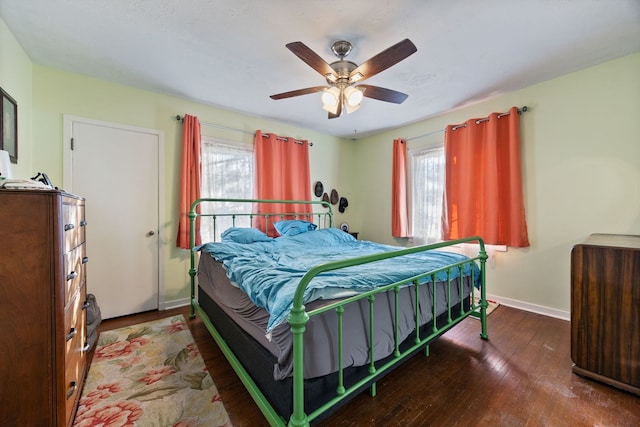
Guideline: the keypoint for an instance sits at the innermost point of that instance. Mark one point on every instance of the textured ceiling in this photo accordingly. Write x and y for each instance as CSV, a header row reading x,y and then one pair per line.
x,y
232,54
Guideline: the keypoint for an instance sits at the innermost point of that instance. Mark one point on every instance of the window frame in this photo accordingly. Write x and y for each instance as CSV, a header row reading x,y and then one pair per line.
x,y
413,151
229,206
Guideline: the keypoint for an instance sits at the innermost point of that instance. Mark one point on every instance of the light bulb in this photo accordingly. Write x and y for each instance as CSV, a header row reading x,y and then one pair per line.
x,y
331,96
353,96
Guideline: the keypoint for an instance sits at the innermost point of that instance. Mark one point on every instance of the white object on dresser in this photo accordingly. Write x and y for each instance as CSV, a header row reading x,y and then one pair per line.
x,y
5,165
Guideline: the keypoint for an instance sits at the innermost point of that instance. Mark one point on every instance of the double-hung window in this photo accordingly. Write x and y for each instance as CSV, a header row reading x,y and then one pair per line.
x,y
426,180
227,172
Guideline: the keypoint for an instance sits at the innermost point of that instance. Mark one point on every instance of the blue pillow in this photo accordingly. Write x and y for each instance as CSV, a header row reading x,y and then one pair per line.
x,y
291,227
322,238
244,235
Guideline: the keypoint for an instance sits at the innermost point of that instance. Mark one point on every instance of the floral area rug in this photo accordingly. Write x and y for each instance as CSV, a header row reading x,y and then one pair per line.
x,y
150,374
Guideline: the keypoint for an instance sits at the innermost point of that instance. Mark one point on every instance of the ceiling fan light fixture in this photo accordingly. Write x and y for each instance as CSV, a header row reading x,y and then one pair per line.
x,y
333,109
330,98
353,96
351,108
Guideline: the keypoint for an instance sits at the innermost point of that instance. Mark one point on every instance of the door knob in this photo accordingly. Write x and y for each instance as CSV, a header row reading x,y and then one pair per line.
x,y
150,233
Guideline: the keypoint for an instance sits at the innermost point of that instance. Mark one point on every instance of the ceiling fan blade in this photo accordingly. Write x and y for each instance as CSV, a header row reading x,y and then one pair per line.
x,y
384,60
311,58
383,94
298,92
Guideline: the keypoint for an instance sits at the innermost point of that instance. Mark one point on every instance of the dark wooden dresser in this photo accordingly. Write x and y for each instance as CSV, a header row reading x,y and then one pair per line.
x,y
42,314
605,310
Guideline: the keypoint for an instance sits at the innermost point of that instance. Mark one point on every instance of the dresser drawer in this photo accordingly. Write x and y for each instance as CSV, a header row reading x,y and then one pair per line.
x,y
74,223
74,271
75,351
75,321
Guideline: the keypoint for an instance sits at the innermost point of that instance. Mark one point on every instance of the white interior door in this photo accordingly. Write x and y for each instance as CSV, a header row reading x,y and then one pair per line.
x,y
117,170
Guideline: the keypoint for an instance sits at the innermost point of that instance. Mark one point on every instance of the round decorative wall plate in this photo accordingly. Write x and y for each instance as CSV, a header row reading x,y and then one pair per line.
x,y
318,189
334,197
344,227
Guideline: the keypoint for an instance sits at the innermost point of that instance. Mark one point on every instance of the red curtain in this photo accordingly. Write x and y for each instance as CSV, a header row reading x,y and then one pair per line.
x,y
189,179
483,181
399,214
282,173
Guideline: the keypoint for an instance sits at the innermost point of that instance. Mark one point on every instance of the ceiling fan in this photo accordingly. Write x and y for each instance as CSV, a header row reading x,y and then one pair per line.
x,y
342,94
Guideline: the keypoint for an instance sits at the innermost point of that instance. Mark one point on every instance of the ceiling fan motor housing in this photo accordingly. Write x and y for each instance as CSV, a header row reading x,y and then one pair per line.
x,y
343,69
341,48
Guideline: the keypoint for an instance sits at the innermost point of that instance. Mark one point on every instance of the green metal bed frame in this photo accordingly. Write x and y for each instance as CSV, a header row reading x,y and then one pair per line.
x,y
299,317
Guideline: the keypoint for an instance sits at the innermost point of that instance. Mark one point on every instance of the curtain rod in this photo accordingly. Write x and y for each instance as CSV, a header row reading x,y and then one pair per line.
x,y
179,118
520,111
246,132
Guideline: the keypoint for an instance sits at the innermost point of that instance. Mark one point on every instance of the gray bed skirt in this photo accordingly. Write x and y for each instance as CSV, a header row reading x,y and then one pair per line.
x,y
320,338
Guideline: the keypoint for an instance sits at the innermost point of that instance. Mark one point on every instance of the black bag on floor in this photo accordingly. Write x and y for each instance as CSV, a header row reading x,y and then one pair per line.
x,y
94,318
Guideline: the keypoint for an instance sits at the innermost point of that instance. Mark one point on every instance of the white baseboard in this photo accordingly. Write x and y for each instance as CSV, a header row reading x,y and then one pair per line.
x,y
167,305
540,309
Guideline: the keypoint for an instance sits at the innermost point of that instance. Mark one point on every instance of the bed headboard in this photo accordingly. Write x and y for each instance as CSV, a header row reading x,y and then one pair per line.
x,y
218,214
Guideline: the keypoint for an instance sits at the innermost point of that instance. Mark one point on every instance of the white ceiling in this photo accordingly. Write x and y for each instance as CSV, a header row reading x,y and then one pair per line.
x,y
232,53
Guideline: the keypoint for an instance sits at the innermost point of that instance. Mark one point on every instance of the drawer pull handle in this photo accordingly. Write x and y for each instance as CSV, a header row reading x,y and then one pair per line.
x,y
83,223
68,227
72,389
85,260
71,334
86,347
72,275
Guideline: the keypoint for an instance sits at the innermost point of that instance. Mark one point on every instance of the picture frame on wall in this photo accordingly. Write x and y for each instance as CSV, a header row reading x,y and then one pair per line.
x,y
9,126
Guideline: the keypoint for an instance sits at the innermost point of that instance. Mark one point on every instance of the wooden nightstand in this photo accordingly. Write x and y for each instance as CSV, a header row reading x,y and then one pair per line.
x,y
605,310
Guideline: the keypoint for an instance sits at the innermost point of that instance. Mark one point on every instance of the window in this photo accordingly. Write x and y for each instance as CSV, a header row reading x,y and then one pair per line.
x,y
227,172
426,178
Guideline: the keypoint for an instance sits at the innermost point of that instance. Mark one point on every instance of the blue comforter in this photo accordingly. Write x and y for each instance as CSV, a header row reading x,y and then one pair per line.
x,y
269,272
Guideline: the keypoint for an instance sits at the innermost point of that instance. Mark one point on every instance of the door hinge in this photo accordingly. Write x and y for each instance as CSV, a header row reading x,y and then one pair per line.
x,y
71,144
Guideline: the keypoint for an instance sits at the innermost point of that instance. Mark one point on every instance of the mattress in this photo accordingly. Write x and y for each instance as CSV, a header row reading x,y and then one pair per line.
x,y
320,338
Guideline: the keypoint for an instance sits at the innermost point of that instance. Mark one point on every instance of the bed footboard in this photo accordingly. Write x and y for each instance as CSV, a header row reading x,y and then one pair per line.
x,y
299,317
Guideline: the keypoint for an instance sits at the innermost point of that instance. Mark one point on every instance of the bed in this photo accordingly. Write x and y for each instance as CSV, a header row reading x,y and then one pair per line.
x,y
308,316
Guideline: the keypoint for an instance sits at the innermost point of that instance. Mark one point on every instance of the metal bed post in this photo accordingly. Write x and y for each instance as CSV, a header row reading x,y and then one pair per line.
x,y
482,255
192,256
372,364
298,318
483,304
340,389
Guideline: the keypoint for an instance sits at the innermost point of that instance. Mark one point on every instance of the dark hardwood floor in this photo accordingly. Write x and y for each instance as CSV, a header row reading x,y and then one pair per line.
x,y
521,376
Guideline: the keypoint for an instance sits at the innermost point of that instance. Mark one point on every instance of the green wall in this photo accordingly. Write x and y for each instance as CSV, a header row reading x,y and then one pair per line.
x,y
581,156
16,80
57,93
